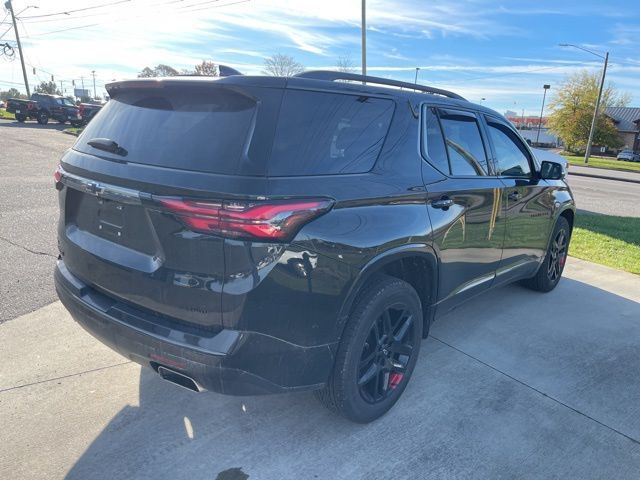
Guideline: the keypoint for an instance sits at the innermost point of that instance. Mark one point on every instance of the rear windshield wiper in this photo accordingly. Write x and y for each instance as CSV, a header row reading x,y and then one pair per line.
x,y
107,145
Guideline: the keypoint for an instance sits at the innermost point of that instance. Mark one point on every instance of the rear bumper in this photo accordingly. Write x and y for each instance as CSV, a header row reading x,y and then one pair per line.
x,y
228,361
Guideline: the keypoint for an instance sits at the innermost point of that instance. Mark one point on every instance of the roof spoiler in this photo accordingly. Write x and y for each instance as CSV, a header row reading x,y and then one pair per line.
x,y
226,71
331,76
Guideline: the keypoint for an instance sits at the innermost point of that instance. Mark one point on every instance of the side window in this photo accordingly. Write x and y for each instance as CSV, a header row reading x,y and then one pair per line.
x,y
466,151
512,158
432,137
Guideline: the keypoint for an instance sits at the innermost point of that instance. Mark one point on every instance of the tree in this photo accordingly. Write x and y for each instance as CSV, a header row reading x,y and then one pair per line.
x,y
11,93
345,65
572,112
158,71
207,69
280,65
48,87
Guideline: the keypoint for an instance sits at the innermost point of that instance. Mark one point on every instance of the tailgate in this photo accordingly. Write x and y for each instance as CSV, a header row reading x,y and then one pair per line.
x,y
110,238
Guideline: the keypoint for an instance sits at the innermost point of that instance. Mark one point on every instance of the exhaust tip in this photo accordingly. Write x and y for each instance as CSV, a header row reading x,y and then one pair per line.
x,y
178,379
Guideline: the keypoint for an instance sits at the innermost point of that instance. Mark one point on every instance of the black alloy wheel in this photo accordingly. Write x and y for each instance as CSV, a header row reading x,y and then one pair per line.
x,y
550,271
557,255
378,351
386,354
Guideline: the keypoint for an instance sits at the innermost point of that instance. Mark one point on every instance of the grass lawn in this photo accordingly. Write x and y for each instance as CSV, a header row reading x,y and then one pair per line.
x,y
74,130
608,240
599,162
6,115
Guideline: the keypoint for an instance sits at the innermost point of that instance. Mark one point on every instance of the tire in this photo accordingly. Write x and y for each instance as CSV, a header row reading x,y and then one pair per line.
x,y
550,270
43,118
62,122
76,124
21,118
367,354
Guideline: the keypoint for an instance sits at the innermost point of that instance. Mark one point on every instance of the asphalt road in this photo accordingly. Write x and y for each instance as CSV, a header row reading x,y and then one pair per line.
x,y
29,154
610,197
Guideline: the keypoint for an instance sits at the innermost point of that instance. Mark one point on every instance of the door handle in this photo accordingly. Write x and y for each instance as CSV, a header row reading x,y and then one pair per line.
x,y
443,203
514,196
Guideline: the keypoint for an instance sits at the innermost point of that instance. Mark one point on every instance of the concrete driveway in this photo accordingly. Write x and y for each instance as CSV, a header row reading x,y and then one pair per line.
x,y
512,385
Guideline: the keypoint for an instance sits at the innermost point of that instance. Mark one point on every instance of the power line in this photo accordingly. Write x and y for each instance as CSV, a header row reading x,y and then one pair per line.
x,y
68,12
178,11
10,83
65,30
101,14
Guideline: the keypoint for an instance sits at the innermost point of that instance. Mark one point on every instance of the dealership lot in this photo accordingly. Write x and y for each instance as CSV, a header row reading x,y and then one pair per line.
x,y
513,384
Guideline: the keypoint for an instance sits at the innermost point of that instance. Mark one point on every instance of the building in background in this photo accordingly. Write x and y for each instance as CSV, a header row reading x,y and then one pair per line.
x,y
528,128
627,121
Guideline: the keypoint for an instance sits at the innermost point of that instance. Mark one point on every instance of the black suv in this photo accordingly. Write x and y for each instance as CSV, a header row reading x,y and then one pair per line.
x,y
259,234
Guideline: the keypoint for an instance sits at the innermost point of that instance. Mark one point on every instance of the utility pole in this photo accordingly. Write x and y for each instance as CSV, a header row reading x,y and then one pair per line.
x,y
587,154
61,88
545,87
93,74
364,37
15,29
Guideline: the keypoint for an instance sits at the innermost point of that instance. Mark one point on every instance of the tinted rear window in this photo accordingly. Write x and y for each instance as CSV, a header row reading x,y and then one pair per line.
x,y
324,133
204,130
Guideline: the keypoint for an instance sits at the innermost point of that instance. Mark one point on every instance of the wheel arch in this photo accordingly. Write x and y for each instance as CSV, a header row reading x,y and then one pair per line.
x,y
414,263
569,214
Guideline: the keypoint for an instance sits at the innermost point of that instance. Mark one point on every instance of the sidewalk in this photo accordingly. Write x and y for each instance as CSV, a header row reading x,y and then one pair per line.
x,y
595,172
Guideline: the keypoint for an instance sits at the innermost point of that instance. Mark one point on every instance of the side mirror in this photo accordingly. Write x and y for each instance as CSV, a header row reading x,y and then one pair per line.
x,y
551,171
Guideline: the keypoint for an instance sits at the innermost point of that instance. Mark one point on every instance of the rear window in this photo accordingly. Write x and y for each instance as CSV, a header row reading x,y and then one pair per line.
x,y
323,133
203,130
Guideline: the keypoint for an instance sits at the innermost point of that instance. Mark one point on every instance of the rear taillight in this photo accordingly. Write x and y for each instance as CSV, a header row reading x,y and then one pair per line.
x,y
57,174
258,220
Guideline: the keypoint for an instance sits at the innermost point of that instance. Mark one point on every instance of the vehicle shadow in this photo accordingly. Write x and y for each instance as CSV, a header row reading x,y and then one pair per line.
x,y
488,398
52,125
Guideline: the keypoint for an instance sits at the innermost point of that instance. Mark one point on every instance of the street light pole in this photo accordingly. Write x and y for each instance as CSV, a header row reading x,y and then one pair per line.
x,y
587,154
364,37
15,29
415,82
93,74
595,112
545,87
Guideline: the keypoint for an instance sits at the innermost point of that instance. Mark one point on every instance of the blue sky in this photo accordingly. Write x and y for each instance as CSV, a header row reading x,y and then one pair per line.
x,y
501,51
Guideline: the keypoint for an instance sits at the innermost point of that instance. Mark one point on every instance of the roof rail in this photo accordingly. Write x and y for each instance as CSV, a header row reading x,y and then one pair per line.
x,y
331,76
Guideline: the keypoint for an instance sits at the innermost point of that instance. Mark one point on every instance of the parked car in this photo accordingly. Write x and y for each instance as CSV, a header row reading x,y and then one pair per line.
x,y
628,156
43,107
255,235
2,104
21,108
88,111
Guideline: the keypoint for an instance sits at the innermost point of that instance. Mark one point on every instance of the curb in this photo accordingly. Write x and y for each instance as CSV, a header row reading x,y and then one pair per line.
x,y
605,177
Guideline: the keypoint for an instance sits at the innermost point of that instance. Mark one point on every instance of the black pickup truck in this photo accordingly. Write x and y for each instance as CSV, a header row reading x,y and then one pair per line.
x,y
42,107
88,111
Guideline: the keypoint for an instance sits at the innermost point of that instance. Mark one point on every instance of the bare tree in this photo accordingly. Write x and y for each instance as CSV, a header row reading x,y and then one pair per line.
x,y
280,65
345,64
158,71
207,69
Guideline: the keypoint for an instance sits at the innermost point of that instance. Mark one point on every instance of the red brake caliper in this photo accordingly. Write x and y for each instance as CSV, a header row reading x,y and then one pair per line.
x,y
562,260
394,379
